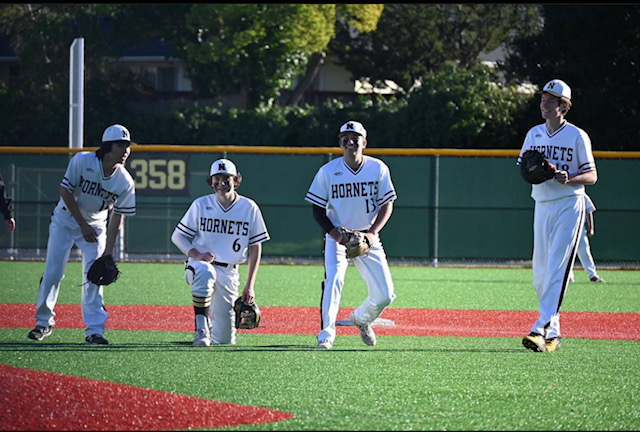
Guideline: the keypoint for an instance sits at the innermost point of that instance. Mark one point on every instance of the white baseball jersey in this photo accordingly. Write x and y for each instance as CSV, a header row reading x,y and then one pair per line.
x,y
94,192
558,218
569,149
352,198
225,232
589,206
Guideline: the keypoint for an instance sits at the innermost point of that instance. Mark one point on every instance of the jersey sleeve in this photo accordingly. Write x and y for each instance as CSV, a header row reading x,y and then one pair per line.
x,y
71,178
387,191
318,191
188,225
258,233
126,203
586,162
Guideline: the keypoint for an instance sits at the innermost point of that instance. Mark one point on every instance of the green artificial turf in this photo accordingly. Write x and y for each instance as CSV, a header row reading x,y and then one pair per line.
x,y
299,285
404,383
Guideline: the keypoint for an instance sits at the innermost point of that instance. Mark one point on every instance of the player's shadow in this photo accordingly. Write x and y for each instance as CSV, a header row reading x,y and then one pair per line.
x,y
187,346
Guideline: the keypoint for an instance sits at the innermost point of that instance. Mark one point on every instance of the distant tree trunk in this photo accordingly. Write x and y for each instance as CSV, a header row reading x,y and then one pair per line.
x,y
315,61
243,101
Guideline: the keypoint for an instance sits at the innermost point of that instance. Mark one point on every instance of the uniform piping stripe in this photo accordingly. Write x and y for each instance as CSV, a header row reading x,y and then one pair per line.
x,y
315,199
355,172
259,238
185,229
324,245
574,250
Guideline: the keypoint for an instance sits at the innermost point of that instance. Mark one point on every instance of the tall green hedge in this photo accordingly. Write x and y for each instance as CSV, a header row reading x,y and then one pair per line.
x,y
454,108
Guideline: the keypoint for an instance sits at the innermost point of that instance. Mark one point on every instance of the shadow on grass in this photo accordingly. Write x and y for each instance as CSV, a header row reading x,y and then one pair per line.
x,y
188,346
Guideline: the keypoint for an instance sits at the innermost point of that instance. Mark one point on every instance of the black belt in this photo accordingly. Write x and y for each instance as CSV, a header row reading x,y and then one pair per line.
x,y
221,264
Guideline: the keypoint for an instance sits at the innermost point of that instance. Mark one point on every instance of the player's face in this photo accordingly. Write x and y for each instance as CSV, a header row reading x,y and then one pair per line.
x,y
551,106
222,183
120,152
352,142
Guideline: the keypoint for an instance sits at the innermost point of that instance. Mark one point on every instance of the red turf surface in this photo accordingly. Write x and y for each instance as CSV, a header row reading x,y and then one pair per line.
x,y
33,400
306,320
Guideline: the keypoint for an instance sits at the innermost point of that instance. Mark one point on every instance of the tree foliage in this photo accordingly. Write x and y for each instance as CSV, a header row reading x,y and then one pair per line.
x,y
461,108
256,50
412,40
253,49
595,49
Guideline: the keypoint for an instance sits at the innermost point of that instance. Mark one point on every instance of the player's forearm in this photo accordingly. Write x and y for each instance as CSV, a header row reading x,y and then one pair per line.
x,y
182,242
255,253
587,178
72,206
115,224
381,220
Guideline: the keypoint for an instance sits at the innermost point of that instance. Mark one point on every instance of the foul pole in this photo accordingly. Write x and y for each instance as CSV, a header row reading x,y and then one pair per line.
x,y
76,93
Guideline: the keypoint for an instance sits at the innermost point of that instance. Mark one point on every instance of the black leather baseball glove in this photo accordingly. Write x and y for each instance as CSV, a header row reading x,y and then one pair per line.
x,y
103,271
535,168
247,315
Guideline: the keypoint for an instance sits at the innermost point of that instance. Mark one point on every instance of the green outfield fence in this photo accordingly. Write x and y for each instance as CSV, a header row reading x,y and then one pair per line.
x,y
466,207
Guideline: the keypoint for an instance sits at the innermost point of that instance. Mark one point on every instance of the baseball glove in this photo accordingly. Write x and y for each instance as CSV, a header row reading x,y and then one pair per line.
x,y
103,271
356,243
535,168
247,315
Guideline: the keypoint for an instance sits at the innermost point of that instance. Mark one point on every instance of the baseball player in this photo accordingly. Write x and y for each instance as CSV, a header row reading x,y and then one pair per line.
x,y
559,213
96,193
354,192
6,207
584,249
217,233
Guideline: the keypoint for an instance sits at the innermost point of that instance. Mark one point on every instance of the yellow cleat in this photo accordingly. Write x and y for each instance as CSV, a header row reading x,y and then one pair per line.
x,y
534,342
553,344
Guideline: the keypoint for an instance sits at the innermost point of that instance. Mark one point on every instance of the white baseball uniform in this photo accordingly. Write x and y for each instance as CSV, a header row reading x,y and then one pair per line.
x,y
226,233
584,249
97,195
559,218
352,200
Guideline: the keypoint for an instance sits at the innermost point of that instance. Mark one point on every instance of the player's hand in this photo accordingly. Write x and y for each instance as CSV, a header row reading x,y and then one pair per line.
x,y
337,236
562,177
200,256
89,234
205,256
248,295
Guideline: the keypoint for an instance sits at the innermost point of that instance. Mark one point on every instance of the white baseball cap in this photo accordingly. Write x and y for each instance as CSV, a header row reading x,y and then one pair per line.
x,y
354,126
558,88
223,166
116,132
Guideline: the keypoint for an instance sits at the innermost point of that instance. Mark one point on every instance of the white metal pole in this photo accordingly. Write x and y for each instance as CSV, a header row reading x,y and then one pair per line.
x,y
76,93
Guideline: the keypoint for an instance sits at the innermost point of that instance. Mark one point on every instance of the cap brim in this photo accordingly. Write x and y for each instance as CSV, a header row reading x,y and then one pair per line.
x,y
121,141
550,92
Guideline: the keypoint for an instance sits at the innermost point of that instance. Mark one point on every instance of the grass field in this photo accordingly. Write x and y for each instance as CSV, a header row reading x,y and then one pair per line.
x,y
404,383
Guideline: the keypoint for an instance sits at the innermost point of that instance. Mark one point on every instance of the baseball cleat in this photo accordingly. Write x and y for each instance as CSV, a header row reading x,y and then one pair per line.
x,y
39,333
534,342
325,344
366,332
96,339
201,338
553,344
596,278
